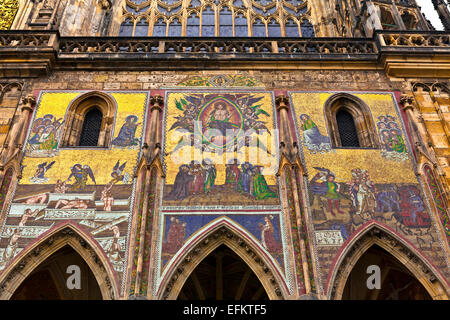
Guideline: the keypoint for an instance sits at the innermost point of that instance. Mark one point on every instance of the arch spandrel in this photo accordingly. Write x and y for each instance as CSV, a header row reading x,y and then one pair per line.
x,y
205,241
50,242
409,256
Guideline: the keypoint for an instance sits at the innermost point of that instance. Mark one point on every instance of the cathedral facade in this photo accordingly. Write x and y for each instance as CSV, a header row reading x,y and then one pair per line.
x,y
224,149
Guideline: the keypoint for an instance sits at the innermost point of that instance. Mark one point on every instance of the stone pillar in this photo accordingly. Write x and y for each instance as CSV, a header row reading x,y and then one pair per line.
x,y
285,135
157,102
287,148
18,131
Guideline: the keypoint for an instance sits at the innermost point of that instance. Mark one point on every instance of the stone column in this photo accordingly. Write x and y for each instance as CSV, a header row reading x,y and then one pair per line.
x,y
285,135
18,131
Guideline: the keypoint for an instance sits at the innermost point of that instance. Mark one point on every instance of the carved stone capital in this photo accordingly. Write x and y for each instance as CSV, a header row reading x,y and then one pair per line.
x,y
156,102
28,102
282,102
406,100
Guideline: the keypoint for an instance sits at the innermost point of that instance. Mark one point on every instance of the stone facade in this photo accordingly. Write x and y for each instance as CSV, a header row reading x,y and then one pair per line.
x,y
163,187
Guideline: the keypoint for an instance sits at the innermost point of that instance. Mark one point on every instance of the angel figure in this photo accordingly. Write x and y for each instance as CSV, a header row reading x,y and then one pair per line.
x,y
81,174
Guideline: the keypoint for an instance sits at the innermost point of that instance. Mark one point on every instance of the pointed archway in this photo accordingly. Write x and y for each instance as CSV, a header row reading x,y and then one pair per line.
x,y
405,254
395,281
49,280
64,235
223,232
222,275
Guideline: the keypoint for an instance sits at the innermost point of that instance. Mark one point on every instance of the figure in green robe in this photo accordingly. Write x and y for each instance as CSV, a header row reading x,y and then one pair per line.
x,y
260,188
210,178
397,142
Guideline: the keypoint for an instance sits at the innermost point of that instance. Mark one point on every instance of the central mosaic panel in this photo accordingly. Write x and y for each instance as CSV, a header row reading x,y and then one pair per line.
x,y
221,161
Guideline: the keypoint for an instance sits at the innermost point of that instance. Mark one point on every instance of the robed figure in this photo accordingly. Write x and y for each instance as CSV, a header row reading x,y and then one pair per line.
x,y
126,134
260,188
245,177
181,185
175,236
312,138
268,237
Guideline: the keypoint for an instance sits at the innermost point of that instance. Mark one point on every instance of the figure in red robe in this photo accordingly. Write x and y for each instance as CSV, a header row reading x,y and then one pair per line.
x,y
268,237
175,236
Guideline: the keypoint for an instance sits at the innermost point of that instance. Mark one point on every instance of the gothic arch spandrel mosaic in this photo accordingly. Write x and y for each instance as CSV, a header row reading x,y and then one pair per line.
x,y
350,187
220,157
92,187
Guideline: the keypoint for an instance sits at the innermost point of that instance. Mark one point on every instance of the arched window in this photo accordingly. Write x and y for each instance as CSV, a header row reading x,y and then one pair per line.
x,y
208,17
291,28
409,20
159,28
175,28
141,29
259,29
387,20
241,25
347,129
193,25
307,29
91,128
226,23
273,28
89,121
126,28
349,122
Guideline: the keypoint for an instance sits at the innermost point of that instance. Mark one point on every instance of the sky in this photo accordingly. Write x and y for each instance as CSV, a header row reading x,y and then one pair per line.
x,y
430,13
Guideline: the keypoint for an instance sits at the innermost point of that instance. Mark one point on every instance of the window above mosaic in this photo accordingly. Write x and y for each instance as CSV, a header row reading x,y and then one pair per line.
x,y
216,18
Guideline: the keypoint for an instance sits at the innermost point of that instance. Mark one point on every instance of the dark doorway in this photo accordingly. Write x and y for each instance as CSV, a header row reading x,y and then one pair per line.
x,y
222,275
396,282
48,280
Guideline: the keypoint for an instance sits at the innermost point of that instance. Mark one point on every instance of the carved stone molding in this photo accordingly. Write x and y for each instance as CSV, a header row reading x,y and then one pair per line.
x,y
219,236
32,259
378,236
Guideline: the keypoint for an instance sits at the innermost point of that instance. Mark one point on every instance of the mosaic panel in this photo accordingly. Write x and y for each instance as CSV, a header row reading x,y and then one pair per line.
x,y
91,187
220,159
348,188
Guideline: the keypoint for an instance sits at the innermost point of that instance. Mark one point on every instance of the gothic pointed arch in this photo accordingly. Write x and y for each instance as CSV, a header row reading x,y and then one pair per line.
x,y
348,105
222,232
66,234
77,112
406,254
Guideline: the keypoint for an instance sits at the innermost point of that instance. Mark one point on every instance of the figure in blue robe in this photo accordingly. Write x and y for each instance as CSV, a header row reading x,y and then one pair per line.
x,y
126,134
246,177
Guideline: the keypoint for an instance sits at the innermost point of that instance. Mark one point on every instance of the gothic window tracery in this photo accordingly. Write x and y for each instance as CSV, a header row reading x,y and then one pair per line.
x,y
209,18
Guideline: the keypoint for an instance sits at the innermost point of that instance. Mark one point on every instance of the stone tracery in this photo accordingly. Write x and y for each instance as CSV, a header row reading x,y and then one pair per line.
x,y
225,18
